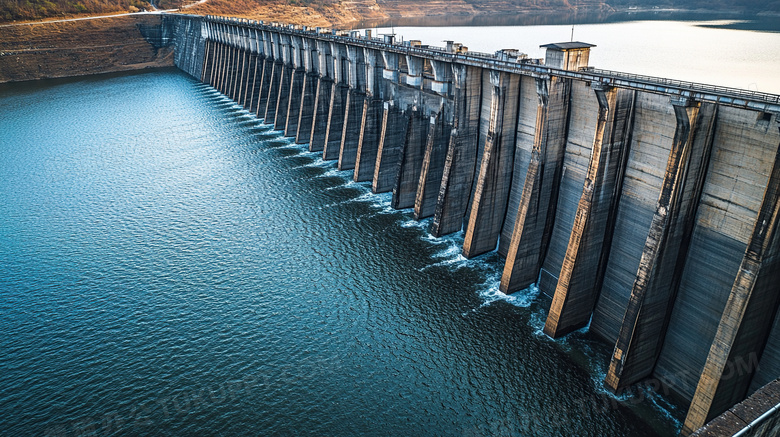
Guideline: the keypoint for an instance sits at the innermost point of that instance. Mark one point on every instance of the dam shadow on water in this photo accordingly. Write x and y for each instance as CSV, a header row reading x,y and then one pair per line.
x,y
172,265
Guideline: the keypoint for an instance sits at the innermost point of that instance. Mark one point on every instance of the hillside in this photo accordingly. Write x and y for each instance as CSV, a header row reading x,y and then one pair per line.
x,y
342,12
74,48
38,9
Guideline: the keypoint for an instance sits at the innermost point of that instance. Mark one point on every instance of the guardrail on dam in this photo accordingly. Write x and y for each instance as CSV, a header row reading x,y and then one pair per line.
x,y
645,207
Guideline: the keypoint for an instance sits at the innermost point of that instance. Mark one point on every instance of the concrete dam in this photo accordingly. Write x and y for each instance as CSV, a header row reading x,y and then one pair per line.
x,y
646,208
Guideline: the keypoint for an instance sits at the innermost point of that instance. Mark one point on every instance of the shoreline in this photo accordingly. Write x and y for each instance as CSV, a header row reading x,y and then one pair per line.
x,y
427,17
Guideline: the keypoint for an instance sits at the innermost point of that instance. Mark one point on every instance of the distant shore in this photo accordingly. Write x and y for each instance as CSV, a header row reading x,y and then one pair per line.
x,y
425,14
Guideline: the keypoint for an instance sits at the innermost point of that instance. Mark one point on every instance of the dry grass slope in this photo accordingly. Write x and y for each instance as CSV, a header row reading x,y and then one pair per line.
x,y
77,48
37,9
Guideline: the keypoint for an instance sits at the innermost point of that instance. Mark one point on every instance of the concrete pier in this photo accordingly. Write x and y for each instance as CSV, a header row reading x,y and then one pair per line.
x,y
234,78
350,135
686,114
242,77
410,161
252,84
572,303
283,97
322,62
338,101
432,166
310,65
265,86
321,116
307,109
555,138
229,70
221,68
495,164
392,139
293,112
207,72
294,103
336,114
370,136
524,253
460,162
272,99
744,325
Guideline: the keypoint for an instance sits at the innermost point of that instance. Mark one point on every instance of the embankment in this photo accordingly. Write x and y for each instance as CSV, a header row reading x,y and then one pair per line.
x,y
75,48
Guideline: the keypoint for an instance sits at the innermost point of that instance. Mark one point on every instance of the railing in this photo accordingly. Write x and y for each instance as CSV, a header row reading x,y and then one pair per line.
x,y
718,94
474,54
693,86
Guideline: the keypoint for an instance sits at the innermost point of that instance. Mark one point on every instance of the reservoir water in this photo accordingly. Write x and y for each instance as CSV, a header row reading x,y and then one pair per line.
x,y
736,52
169,265
172,266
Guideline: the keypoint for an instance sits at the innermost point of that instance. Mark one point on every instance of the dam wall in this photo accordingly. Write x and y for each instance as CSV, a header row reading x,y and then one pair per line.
x,y
645,208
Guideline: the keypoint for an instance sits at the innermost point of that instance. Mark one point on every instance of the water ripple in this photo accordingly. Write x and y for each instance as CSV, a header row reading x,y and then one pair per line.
x,y
173,266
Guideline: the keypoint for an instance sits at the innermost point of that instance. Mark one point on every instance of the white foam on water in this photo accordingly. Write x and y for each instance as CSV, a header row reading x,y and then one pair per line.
x,y
367,196
349,175
520,299
663,406
291,144
319,162
307,152
382,202
597,366
452,251
307,165
638,394
331,205
333,172
412,223
456,262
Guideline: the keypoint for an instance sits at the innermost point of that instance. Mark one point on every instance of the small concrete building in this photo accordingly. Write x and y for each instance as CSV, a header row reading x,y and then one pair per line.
x,y
567,55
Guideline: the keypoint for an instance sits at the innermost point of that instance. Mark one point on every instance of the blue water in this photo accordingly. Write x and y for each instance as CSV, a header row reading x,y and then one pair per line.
x,y
169,265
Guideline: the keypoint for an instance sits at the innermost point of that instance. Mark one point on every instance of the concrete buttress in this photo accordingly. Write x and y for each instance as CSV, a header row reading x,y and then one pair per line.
x,y
461,158
410,161
491,187
389,151
518,273
308,109
319,130
626,344
575,292
336,113
368,145
283,97
294,103
746,321
297,54
432,166
273,91
350,136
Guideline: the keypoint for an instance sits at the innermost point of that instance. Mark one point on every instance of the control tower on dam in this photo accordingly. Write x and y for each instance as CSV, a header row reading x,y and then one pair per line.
x,y
645,207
